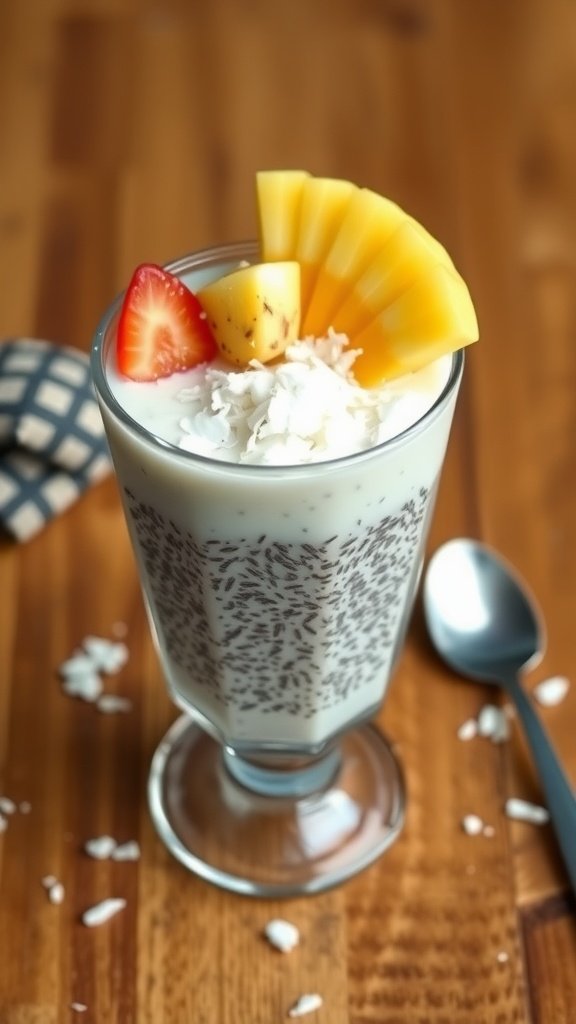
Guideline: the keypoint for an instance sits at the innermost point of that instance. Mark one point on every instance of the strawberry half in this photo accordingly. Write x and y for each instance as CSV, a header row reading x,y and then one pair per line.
x,y
161,329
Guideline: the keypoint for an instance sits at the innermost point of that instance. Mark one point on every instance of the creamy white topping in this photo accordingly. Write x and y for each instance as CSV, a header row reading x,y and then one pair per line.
x,y
307,408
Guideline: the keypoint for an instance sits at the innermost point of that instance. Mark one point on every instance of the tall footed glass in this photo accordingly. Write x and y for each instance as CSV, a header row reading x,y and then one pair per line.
x,y
278,599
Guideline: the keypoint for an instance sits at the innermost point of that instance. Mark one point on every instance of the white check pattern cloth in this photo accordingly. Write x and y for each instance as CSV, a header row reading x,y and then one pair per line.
x,y
52,443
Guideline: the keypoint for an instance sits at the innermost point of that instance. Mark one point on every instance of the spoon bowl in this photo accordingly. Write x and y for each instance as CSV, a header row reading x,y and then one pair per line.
x,y
479,614
485,625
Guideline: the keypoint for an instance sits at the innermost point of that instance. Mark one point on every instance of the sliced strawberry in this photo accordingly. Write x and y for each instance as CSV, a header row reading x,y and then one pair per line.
x,y
161,329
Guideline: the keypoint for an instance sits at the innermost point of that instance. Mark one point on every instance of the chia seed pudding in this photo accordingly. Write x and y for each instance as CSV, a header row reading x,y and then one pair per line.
x,y
279,594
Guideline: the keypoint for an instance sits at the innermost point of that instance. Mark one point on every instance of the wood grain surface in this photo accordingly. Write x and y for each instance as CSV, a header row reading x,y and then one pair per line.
x,y
131,130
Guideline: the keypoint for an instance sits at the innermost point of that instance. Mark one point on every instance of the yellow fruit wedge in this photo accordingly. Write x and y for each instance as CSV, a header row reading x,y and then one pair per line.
x,y
432,243
405,256
432,318
278,195
323,203
254,312
369,219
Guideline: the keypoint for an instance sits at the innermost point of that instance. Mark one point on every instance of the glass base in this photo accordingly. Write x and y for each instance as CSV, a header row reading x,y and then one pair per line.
x,y
219,824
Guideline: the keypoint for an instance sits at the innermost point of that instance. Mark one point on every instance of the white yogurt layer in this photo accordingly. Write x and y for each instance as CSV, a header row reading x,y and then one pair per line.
x,y
308,408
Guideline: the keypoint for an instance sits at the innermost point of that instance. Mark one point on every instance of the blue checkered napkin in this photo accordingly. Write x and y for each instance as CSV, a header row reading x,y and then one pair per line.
x,y
52,444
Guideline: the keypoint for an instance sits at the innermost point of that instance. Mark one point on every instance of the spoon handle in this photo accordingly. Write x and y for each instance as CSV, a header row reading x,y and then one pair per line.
x,y
561,801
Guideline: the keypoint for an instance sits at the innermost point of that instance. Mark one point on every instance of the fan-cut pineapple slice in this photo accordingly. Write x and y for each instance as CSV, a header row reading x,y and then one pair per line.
x,y
279,195
323,203
369,219
254,312
432,318
405,256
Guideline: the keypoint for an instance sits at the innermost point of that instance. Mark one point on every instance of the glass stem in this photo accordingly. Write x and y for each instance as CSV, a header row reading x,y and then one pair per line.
x,y
274,777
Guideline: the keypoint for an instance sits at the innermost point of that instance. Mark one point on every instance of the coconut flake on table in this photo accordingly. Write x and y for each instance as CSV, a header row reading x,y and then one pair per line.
x,y
281,934
307,1003
551,691
493,723
102,912
7,806
87,686
107,656
468,730
101,847
472,825
305,409
56,893
111,704
523,810
126,851
78,1007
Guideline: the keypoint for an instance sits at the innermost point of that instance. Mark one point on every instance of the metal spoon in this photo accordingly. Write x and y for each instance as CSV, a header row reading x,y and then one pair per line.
x,y
486,626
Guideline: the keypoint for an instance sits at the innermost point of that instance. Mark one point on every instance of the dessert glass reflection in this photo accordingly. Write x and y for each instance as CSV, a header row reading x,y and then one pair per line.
x,y
278,599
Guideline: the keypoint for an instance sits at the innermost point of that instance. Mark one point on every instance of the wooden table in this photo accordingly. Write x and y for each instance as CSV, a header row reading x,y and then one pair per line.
x,y
130,131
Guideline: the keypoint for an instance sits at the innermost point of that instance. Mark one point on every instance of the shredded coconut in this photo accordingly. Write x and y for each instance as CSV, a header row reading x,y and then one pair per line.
x,y
127,851
493,723
282,934
306,1004
88,686
110,704
56,893
468,730
523,810
102,912
78,1007
472,825
7,806
551,691
100,848
305,409
48,881
502,957
106,656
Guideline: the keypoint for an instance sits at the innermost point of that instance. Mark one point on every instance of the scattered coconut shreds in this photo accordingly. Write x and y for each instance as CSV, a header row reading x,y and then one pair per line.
x,y
110,704
282,934
87,686
78,664
100,848
551,691
81,672
493,723
102,912
468,730
48,881
56,893
78,1007
489,831
306,1004
127,851
472,825
24,807
523,810
107,656
3,823
502,957
7,806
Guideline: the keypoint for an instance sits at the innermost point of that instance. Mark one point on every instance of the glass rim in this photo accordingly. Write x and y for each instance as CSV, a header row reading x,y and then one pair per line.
x,y
205,258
